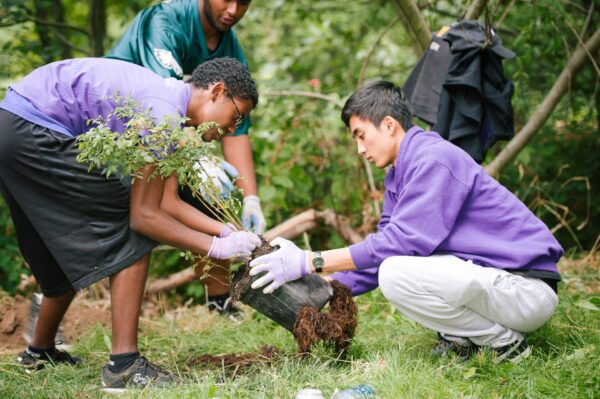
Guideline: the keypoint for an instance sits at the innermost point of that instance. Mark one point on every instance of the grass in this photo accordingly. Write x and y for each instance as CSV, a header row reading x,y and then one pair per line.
x,y
390,352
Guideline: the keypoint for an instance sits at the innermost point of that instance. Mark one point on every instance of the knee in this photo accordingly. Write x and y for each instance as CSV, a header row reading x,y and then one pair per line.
x,y
394,276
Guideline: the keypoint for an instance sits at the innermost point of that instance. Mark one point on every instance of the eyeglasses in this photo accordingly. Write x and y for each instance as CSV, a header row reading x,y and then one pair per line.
x,y
239,117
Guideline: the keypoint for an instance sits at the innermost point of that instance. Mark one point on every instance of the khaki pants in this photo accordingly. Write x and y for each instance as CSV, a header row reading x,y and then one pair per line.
x,y
489,306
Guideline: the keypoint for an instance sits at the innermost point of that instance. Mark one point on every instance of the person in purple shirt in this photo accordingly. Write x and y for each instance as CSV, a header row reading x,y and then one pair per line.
x,y
454,250
76,227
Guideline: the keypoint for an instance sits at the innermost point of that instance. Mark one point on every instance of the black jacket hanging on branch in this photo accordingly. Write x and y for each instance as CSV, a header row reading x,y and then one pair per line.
x,y
475,107
424,84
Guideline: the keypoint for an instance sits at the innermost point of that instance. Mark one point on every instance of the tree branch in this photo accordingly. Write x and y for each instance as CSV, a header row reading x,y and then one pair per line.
x,y
475,9
363,67
310,94
414,23
537,120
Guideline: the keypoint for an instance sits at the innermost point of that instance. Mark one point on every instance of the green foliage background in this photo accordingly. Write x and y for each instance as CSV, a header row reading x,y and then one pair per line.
x,y
304,156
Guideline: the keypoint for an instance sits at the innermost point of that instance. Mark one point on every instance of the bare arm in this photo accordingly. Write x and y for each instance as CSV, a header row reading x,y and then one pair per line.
x,y
237,150
336,260
184,212
147,217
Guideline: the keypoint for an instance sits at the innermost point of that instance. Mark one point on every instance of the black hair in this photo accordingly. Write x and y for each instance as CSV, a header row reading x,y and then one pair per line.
x,y
376,100
234,75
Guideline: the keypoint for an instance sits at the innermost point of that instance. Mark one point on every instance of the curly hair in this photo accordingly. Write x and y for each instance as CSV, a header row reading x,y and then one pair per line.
x,y
234,75
376,100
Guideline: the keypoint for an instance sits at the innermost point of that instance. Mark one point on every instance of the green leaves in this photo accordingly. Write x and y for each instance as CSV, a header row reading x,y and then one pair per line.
x,y
166,145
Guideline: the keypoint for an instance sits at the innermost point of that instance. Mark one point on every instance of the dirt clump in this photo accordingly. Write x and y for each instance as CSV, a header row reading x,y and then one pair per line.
x,y
335,327
241,278
238,361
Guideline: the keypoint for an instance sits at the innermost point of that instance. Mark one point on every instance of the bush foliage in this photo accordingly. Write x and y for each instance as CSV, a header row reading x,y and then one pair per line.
x,y
306,159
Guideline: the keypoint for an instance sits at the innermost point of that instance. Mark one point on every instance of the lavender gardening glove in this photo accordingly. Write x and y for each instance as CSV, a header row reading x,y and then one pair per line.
x,y
252,215
288,263
233,244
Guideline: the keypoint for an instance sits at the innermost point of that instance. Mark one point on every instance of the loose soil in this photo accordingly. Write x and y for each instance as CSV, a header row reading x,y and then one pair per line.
x,y
239,361
241,278
14,313
335,328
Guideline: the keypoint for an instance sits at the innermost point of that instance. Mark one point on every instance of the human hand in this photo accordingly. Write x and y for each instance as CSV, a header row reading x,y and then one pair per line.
x,y
288,263
217,175
252,215
235,244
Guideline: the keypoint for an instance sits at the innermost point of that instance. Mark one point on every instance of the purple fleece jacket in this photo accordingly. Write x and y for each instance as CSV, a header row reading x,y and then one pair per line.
x,y
439,201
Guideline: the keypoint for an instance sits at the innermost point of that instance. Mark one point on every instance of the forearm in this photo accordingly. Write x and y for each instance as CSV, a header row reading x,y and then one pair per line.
x,y
147,217
162,227
186,213
335,260
237,150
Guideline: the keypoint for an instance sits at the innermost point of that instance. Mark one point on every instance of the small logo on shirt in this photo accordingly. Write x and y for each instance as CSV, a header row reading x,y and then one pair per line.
x,y
166,59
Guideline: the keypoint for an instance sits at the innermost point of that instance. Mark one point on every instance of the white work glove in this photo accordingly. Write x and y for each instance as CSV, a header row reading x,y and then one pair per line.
x,y
217,171
252,215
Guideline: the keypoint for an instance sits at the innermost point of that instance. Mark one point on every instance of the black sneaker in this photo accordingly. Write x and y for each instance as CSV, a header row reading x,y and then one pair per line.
x,y
36,301
514,352
227,309
33,361
140,374
444,347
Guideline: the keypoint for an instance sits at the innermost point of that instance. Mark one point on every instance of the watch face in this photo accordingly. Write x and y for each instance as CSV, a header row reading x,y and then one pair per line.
x,y
318,262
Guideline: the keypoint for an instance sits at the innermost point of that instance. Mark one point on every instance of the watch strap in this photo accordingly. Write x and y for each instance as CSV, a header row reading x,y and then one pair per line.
x,y
318,262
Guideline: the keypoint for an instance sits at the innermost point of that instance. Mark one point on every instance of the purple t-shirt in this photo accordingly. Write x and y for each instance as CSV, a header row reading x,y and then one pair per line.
x,y
69,93
439,201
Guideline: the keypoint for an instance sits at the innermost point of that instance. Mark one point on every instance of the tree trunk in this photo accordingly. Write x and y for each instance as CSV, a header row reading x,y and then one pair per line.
x,y
97,20
42,10
475,9
59,12
415,24
537,120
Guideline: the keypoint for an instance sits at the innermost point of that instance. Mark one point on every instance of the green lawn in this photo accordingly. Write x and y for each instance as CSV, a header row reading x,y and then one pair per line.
x,y
390,352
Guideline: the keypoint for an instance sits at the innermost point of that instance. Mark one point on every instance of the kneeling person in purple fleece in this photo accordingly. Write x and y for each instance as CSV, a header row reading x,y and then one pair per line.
x,y
454,250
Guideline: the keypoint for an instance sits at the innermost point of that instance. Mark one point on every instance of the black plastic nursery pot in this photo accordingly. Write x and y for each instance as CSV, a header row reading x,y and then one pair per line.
x,y
283,305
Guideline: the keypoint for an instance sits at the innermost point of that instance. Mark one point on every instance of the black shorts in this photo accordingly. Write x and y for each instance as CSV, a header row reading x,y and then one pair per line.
x,y
186,195
72,225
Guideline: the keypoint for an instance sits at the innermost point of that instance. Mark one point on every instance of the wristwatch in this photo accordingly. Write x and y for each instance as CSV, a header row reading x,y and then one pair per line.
x,y
318,262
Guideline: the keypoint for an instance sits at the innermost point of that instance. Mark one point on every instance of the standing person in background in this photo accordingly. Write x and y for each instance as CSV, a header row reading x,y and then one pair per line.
x,y
171,39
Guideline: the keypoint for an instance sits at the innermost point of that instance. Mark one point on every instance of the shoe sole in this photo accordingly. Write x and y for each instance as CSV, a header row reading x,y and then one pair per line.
x,y
526,353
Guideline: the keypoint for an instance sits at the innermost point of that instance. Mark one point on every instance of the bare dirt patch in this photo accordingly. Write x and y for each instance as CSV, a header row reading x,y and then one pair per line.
x,y
14,312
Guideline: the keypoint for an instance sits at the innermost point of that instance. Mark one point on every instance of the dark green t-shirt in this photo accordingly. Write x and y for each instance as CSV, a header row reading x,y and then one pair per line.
x,y
167,38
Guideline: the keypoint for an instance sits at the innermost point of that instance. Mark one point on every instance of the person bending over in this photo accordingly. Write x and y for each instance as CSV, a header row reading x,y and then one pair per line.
x,y
76,227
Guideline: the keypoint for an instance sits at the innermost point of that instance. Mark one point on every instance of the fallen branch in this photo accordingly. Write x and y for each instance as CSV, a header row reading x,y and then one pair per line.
x,y
289,229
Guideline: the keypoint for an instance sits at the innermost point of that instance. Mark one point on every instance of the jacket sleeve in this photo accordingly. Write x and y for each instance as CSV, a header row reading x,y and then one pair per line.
x,y
428,205
359,281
